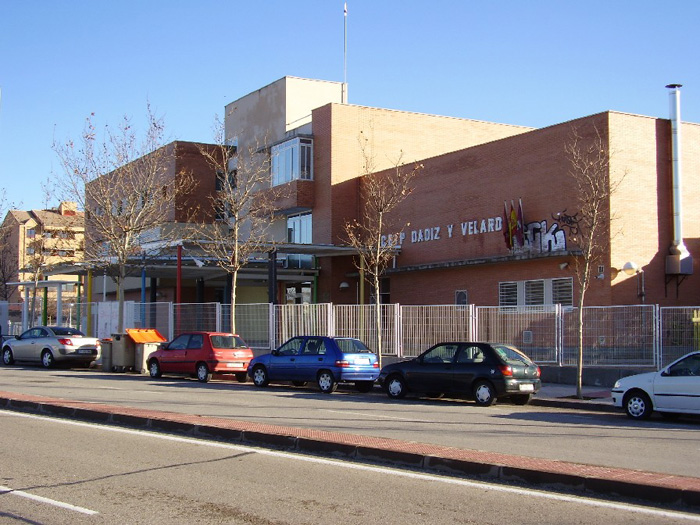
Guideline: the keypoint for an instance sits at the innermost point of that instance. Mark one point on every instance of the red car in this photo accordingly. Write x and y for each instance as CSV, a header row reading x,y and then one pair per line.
x,y
202,354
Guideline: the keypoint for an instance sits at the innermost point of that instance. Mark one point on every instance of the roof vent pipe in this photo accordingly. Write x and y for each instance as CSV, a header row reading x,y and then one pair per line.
x,y
679,262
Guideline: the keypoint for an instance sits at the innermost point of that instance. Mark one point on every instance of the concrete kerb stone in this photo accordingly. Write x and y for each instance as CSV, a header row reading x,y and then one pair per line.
x,y
381,451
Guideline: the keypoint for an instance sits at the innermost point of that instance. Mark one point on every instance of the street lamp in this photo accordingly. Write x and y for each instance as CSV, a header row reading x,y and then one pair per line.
x,y
631,268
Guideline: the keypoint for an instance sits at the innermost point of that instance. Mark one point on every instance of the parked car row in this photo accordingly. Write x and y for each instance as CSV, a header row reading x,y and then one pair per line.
x,y
480,371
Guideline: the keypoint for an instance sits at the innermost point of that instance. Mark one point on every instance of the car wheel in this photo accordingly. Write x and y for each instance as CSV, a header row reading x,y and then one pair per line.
x,y
7,357
326,382
203,374
154,369
299,383
396,387
484,394
241,377
520,399
638,405
260,377
364,386
47,360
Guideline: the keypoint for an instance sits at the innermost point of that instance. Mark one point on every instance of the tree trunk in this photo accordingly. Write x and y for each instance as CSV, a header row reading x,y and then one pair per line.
x,y
579,362
234,280
120,298
378,316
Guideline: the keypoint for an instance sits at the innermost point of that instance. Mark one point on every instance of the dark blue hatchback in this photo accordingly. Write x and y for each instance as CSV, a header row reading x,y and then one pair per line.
x,y
324,360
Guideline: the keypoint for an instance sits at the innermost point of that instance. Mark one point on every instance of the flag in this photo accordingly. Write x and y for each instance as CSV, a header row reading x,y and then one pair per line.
x,y
513,224
520,233
506,227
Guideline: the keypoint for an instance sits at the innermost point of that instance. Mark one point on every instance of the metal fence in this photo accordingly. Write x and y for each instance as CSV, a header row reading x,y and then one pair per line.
x,y
613,336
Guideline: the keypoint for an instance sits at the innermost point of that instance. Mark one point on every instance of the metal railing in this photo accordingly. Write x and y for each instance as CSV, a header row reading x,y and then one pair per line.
x,y
644,336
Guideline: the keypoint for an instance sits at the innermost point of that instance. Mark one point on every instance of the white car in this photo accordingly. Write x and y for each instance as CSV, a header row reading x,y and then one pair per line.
x,y
671,391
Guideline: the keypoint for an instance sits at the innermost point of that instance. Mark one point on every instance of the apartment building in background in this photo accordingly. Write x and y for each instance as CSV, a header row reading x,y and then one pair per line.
x,y
36,241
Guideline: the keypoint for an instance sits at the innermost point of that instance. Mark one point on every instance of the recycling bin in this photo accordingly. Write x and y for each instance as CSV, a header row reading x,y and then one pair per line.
x,y
145,340
123,352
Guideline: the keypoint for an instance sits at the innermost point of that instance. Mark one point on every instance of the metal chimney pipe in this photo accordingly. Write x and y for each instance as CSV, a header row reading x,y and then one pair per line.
x,y
680,260
677,246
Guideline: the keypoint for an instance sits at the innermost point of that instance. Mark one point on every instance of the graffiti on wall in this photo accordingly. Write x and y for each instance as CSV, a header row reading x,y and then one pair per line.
x,y
539,238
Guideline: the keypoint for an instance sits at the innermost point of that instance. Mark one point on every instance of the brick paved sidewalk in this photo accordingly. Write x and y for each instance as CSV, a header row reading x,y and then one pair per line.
x,y
649,486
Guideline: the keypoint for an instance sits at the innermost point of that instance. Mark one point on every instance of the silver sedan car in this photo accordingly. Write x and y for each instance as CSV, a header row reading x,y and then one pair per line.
x,y
51,344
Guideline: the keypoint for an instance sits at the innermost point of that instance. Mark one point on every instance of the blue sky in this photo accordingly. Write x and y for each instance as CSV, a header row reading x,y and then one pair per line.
x,y
532,63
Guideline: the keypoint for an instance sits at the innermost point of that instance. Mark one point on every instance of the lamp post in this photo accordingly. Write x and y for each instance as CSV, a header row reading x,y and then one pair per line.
x,y
631,268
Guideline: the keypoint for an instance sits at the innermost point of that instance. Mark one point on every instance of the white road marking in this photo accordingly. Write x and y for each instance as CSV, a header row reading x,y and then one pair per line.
x,y
648,511
48,501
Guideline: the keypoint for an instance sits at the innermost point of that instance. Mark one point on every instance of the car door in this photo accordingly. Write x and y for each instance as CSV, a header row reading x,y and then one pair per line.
x,y
472,362
316,353
678,387
194,352
173,356
28,346
282,365
433,370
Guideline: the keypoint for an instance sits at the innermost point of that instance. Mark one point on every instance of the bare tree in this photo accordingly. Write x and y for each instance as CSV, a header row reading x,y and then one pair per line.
x,y
243,204
132,200
589,166
374,236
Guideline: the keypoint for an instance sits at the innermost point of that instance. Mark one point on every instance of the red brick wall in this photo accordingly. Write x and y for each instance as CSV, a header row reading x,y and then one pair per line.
x,y
472,185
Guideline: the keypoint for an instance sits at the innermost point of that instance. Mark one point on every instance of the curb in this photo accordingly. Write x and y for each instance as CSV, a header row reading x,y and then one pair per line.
x,y
575,404
558,475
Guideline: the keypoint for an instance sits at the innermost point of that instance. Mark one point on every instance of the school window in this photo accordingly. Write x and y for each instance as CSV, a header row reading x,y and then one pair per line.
x,y
299,232
292,160
508,294
461,298
536,292
223,183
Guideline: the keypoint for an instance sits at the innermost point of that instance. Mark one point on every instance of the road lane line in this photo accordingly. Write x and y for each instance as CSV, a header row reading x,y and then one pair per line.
x,y
48,501
581,500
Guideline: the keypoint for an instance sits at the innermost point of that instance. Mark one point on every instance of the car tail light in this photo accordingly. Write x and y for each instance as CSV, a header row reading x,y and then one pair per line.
x,y
506,370
66,342
342,364
539,372
375,364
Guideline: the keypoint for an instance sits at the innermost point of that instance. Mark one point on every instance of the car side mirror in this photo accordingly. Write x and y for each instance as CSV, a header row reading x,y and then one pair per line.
x,y
275,352
665,373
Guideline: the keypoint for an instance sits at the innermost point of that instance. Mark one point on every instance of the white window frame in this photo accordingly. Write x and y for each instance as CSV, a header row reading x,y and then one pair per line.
x,y
286,162
524,293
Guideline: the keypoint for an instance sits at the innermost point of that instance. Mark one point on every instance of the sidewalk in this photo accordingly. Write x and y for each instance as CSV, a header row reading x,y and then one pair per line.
x,y
488,466
564,396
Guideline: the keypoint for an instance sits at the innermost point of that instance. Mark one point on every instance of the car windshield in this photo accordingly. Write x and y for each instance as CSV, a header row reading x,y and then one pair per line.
x,y
511,355
63,330
352,346
227,342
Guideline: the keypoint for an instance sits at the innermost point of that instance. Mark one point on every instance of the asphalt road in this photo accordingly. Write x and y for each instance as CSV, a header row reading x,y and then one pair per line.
x,y
65,472
540,432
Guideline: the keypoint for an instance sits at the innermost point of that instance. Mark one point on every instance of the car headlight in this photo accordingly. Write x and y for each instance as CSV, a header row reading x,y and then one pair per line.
x,y
617,384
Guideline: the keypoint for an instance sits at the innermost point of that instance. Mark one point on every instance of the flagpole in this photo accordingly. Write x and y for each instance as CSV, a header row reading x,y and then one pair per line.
x,y
345,53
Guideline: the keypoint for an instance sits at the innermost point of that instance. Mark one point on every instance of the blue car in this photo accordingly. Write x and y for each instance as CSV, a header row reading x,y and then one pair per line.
x,y
325,360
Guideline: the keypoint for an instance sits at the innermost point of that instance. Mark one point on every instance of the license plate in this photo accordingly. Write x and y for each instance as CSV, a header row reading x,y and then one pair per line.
x,y
234,365
526,387
361,361
85,351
